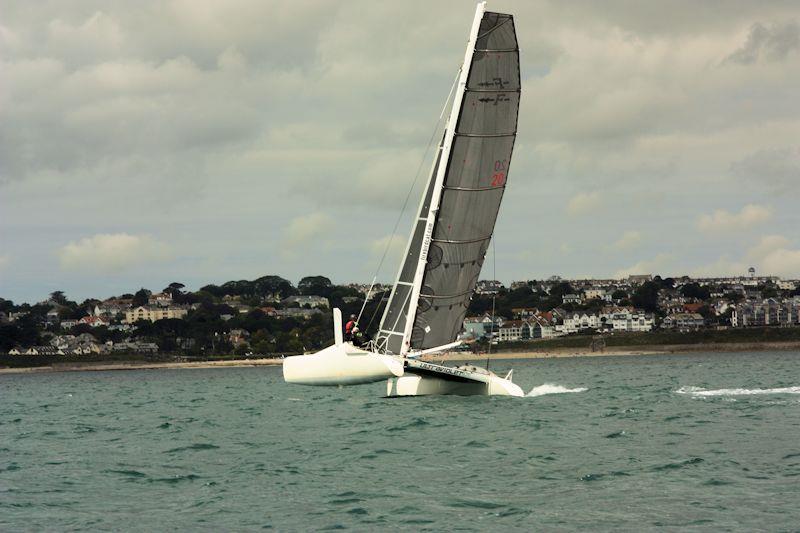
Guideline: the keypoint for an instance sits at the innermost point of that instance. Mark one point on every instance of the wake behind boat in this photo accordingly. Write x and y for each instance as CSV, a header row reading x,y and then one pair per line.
x,y
449,239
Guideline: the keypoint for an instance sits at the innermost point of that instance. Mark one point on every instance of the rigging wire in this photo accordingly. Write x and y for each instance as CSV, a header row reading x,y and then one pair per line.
x,y
405,202
494,295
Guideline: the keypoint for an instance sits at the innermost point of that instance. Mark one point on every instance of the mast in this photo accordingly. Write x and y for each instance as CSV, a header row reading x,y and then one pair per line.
x,y
438,180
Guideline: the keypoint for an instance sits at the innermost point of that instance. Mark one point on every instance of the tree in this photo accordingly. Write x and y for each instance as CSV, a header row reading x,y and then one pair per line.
x,y
315,285
141,297
59,298
619,294
6,306
695,290
646,296
174,289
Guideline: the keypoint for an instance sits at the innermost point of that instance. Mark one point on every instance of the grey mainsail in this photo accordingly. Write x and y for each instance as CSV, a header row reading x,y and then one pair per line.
x,y
468,199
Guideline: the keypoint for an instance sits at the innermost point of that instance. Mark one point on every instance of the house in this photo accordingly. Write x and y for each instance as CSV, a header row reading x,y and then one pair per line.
x,y
481,327
624,319
769,312
136,347
68,323
52,317
154,313
13,317
639,279
240,307
238,337
597,294
307,301
63,342
524,312
575,322
543,327
684,321
488,286
160,299
43,350
16,351
571,299
93,321
515,330
692,308
294,312
108,310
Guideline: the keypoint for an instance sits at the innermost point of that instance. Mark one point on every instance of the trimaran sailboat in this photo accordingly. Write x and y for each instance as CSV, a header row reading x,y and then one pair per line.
x,y
449,239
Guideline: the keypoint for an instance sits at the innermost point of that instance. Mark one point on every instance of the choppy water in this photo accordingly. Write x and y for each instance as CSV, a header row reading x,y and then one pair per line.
x,y
704,441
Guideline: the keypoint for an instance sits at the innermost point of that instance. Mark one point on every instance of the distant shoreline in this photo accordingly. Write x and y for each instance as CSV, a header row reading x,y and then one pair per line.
x,y
450,356
613,351
138,365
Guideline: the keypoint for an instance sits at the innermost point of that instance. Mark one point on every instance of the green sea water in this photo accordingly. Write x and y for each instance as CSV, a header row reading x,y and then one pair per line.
x,y
704,442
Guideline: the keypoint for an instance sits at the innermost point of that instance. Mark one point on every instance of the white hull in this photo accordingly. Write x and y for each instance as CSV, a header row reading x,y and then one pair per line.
x,y
474,382
340,364
344,364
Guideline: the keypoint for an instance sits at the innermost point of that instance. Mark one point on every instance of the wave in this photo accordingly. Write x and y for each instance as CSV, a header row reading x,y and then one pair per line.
x,y
549,388
698,391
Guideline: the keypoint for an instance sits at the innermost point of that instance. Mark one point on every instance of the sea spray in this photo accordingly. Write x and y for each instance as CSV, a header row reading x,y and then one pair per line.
x,y
549,388
697,391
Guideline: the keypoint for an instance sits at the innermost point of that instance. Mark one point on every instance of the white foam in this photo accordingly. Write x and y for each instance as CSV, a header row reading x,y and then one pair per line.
x,y
549,388
697,391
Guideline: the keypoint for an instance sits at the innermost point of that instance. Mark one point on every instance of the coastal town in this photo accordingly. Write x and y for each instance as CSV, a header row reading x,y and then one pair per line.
x,y
271,316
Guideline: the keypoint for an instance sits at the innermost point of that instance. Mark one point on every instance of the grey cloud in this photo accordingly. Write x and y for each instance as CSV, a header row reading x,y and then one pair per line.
x,y
230,119
777,169
771,43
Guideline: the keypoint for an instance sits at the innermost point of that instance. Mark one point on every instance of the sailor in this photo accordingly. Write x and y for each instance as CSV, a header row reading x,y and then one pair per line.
x,y
349,327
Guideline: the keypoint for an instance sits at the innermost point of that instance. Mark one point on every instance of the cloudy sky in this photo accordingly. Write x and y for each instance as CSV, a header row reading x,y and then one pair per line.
x,y
201,141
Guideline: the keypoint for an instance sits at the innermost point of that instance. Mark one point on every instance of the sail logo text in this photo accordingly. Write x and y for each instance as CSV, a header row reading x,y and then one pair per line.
x,y
443,369
426,241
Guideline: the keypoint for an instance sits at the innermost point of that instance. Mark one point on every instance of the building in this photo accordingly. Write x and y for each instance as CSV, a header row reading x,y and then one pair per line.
x,y
524,312
52,317
43,350
294,312
769,312
571,299
93,321
307,301
153,313
515,330
136,347
597,294
68,323
684,321
576,322
488,286
481,327
238,337
630,321
161,299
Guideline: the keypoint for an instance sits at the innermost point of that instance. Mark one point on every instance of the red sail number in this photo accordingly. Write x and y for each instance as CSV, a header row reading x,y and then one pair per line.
x,y
498,179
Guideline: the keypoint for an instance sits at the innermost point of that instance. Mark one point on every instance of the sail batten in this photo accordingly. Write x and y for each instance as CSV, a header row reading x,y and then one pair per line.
x,y
458,212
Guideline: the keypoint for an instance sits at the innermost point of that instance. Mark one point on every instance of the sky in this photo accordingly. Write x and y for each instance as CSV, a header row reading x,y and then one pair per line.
x,y
199,141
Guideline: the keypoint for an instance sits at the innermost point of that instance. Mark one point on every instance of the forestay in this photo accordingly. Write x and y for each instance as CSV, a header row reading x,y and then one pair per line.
x,y
478,157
